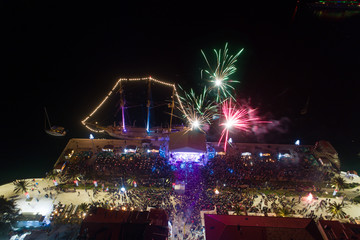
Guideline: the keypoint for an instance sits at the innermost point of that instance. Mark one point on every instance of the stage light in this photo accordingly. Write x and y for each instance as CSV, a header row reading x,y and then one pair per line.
x,y
297,142
216,191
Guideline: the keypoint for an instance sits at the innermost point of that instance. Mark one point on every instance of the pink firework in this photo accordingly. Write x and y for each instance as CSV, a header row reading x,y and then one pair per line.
x,y
242,119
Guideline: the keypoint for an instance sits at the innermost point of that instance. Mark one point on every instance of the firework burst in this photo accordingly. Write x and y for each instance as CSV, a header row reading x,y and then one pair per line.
x,y
219,75
242,119
198,110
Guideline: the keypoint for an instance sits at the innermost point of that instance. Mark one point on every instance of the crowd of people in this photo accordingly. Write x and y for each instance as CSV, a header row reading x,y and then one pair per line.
x,y
260,171
110,166
222,184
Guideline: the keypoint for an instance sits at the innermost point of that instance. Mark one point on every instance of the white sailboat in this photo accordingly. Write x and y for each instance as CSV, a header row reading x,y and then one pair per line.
x,y
56,131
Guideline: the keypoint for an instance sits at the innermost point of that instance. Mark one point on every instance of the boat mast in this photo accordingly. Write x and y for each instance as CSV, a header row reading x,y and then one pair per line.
x,y
47,116
45,121
148,106
122,103
172,109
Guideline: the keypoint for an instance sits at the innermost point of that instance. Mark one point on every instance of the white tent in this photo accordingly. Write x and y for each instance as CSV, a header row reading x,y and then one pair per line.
x,y
187,141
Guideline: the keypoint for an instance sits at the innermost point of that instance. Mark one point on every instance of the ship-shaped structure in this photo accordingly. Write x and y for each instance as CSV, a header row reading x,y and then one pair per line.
x,y
335,10
125,130
335,5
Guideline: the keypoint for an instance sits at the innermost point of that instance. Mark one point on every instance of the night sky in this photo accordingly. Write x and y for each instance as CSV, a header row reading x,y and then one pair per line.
x,y
67,56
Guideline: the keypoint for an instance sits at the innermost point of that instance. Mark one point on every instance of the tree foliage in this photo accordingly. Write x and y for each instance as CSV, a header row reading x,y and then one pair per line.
x,y
21,186
283,212
8,210
336,210
338,183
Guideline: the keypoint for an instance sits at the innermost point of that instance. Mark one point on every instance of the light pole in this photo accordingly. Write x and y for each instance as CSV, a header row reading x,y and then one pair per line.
x,y
92,141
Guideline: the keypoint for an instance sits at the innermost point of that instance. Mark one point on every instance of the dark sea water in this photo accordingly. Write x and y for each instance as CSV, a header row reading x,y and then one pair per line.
x,y
335,116
32,159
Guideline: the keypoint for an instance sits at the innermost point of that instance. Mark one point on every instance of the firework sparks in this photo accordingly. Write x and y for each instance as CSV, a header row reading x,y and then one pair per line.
x,y
242,119
198,110
220,74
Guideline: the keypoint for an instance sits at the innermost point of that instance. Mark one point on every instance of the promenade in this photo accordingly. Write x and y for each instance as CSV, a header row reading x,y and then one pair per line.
x,y
181,218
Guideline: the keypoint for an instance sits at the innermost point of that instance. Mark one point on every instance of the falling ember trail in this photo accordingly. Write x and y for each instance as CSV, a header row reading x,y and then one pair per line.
x,y
219,74
197,110
242,119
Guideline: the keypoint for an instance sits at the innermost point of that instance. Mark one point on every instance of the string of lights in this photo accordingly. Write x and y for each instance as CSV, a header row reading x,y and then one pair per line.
x,y
113,90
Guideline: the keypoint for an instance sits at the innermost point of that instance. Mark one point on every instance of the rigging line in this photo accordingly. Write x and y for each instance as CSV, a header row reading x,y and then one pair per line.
x,y
114,87
45,121
140,105
159,105
47,116
103,101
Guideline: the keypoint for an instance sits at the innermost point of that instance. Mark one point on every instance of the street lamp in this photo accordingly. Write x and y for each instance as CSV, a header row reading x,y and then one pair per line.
x,y
92,141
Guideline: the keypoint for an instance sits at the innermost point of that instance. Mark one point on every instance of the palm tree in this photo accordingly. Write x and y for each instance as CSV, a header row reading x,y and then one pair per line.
x,y
8,210
70,175
21,186
131,180
283,212
167,182
52,175
336,210
338,183
240,210
83,208
91,175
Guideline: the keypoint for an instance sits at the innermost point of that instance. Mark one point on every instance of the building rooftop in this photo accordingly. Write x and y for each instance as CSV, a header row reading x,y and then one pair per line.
x,y
110,224
221,227
335,230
